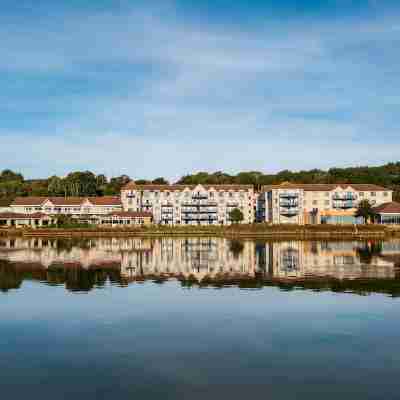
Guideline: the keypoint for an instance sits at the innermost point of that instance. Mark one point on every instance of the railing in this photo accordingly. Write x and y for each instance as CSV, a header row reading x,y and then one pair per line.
x,y
284,203
289,212
344,205
199,196
288,195
206,204
344,196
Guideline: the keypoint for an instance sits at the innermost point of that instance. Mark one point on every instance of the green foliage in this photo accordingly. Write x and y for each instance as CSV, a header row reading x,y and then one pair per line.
x,y
236,216
365,210
85,183
236,247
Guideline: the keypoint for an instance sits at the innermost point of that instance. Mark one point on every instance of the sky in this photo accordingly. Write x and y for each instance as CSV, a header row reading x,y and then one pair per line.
x,y
171,87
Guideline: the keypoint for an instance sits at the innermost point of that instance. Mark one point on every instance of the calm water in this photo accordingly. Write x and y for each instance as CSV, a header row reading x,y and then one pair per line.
x,y
199,318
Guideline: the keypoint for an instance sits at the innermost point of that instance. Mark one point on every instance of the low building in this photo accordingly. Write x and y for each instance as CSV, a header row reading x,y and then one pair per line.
x,y
290,203
82,208
126,218
190,204
388,213
34,220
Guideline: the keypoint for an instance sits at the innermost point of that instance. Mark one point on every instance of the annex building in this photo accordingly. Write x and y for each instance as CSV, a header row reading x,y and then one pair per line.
x,y
290,203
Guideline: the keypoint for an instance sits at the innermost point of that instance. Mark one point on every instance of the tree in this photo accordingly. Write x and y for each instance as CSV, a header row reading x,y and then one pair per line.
x,y
236,247
236,216
365,211
160,181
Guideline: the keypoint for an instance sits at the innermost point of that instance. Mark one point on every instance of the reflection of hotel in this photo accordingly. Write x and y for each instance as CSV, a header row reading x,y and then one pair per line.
x,y
211,258
196,257
137,257
340,260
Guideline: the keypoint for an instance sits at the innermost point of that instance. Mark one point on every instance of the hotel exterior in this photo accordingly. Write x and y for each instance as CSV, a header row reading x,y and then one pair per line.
x,y
290,203
190,204
286,203
106,210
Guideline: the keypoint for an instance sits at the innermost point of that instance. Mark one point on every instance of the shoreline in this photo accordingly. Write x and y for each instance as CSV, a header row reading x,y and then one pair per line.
x,y
232,232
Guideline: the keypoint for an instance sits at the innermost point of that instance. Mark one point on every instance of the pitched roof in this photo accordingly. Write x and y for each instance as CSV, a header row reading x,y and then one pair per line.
x,y
388,208
66,201
178,187
105,201
29,201
326,187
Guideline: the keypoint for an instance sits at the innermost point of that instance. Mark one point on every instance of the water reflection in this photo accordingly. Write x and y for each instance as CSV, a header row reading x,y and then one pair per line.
x,y
82,265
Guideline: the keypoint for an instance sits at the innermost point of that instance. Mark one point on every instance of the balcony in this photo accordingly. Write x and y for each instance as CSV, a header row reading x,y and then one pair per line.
x,y
204,204
344,196
200,218
344,204
200,196
289,195
289,212
289,203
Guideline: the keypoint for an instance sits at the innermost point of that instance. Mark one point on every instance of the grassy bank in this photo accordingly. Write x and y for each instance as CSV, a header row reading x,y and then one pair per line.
x,y
239,231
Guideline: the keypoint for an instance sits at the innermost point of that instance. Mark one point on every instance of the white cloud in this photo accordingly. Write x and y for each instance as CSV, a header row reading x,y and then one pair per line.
x,y
179,97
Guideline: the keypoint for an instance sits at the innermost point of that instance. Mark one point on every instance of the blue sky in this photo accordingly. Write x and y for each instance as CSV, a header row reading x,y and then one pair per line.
x,y
165,88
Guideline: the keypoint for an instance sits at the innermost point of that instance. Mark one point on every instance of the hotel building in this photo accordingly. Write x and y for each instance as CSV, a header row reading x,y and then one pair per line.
x,y
106,210
190,204
290,203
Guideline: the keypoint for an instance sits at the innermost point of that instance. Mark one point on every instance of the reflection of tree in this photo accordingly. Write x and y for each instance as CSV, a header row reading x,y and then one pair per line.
x,y
368,251
9,278
236,247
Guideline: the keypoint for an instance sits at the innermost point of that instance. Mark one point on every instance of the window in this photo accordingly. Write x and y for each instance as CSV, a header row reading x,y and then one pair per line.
x,y
327,202
373,194
361,194
315,202
385,194
326,194
211,194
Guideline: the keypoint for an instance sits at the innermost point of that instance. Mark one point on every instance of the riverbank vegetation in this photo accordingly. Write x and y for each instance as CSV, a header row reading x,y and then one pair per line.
x,y
86,183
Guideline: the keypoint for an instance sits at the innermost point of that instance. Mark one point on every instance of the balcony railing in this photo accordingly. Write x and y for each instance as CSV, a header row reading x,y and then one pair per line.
x,y
204,204
286,203
344,196
288,195
344,204
199,196
289,212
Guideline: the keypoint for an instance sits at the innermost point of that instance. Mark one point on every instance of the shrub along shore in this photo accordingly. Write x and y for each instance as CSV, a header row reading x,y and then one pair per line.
x,y
253,231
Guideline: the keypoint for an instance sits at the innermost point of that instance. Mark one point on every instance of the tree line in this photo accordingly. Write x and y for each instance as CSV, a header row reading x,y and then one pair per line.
x,y
86,183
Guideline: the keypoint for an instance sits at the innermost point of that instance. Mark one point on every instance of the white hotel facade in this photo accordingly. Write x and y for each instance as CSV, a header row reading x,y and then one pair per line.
x,y
190,204
290,203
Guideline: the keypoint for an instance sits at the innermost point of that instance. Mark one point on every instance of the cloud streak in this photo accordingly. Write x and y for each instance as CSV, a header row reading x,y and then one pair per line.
x,y
153,95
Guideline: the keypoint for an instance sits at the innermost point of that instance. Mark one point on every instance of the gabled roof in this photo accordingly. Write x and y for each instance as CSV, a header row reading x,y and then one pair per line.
x,y
67,201
326,187
105,200
29,201
388,208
